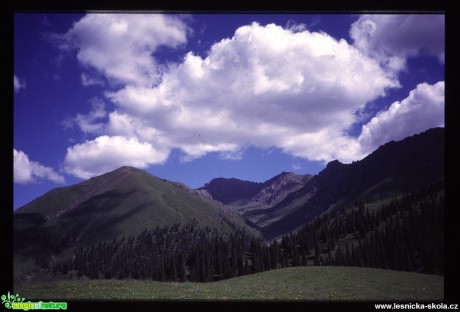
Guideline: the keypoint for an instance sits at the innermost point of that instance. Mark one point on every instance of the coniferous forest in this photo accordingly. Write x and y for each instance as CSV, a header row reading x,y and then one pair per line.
x,y
405,233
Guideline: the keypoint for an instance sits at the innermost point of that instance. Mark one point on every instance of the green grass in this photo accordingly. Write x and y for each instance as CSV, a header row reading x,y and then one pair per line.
x,y
301,283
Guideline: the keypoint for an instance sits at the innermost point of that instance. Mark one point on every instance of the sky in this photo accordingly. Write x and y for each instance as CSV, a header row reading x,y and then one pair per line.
x,y
192,97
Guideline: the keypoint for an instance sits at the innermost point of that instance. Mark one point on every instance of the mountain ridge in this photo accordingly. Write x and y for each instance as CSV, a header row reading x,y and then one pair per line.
x,y
230,190
393,167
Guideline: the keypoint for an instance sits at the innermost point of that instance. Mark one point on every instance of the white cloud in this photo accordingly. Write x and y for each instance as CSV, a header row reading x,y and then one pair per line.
x,y
267,86
106,153
28,171
394,38
424,108
261,87
18,84
193,151
120,46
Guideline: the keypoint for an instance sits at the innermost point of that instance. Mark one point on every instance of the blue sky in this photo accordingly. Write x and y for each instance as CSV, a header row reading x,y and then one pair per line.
x,y
193,97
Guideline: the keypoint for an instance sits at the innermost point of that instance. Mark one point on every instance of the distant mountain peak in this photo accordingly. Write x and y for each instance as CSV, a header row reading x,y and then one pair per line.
x,y
230,190
227,190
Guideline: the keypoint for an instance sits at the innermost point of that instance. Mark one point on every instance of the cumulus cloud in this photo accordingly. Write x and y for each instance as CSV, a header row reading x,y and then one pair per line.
x,y
266,86
18,84
106,153
423,109
394,38
28,171
262,87
120,46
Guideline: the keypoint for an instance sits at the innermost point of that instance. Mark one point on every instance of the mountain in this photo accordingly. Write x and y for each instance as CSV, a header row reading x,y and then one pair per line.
x,y
252,200
277,188
287,201
126,201
120,203
392,169
244,196
130,224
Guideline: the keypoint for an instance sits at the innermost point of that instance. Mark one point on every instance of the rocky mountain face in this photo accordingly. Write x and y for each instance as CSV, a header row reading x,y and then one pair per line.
x,y
243,195
278,187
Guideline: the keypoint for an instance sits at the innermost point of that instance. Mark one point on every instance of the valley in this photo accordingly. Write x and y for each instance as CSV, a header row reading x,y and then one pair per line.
x,y
383,212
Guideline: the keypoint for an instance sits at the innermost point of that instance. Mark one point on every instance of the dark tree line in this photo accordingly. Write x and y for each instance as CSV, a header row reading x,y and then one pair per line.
x,y
405,234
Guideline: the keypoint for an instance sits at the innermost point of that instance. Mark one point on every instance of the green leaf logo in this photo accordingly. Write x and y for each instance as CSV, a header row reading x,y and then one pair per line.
x,y
7,300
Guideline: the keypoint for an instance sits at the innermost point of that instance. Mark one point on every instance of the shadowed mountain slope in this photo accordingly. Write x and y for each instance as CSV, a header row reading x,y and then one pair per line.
x,y
393,168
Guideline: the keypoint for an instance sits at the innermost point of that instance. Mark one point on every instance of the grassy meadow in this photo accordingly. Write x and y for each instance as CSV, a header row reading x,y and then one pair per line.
x,y
299,283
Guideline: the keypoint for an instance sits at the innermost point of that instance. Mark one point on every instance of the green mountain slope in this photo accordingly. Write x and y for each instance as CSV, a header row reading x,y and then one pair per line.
x,y
120,203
